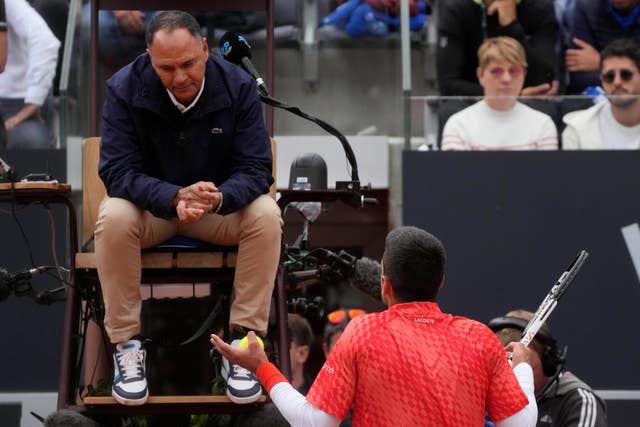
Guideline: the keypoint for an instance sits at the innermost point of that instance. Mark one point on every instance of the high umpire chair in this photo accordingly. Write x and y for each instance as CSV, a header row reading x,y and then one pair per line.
x,y
210,265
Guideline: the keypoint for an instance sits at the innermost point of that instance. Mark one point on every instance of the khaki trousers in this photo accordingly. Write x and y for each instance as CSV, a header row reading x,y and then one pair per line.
x,y
123,230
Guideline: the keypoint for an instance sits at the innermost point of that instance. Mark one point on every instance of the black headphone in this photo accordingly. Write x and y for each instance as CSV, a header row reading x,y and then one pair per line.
x,y
553,356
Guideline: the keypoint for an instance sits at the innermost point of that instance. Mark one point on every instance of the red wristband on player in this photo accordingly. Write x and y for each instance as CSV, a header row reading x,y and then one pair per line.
x,y
269,375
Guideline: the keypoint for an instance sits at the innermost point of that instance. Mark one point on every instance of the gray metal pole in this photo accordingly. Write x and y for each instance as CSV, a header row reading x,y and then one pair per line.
x,y
406,70
67,52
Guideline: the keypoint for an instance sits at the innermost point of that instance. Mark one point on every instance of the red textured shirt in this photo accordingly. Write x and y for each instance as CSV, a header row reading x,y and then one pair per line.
x,y
414,365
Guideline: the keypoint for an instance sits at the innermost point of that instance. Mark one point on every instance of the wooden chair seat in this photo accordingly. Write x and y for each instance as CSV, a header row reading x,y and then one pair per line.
x,y
162,260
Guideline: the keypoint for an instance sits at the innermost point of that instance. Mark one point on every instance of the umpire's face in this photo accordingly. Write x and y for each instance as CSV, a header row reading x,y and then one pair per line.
x,y
179,58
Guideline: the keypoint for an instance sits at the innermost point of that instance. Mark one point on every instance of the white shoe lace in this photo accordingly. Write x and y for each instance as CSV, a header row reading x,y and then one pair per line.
x,y
130,362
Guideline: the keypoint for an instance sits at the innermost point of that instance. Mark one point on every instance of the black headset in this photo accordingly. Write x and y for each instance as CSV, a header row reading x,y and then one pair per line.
x,y
553,356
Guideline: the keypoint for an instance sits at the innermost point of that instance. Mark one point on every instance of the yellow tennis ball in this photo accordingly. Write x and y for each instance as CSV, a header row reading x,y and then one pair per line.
x,y
244,342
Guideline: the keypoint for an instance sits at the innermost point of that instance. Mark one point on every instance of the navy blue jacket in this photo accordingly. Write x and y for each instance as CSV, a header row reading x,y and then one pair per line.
x,y
592,22
149,150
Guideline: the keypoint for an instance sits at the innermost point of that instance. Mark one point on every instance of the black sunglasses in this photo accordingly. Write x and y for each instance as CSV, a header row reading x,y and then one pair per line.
x,y
625,75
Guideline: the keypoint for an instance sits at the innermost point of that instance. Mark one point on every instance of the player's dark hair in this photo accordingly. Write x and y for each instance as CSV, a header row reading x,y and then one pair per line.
x,y
626,47
414,261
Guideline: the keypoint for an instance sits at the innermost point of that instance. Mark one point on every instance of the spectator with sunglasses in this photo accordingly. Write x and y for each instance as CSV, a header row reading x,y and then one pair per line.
x,y
337,322
613,125
408,365
499,121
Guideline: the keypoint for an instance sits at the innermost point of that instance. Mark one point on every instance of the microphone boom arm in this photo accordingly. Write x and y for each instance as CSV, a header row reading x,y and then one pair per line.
x,y
236,49
351,157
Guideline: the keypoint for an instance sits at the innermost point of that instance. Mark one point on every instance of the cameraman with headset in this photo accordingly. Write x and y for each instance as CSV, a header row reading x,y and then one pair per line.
x,y
563,399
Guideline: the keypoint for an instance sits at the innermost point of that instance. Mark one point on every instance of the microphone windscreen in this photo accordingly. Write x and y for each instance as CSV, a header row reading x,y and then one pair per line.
x,y
366,277
67,418
234,47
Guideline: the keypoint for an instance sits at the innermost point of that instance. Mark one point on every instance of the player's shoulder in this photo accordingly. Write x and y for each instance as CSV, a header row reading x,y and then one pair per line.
x,y
467,322
471,327
369,320
367,325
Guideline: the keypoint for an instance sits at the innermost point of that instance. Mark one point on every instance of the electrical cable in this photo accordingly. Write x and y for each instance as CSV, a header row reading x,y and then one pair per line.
x,y
324,125
54,252
22,233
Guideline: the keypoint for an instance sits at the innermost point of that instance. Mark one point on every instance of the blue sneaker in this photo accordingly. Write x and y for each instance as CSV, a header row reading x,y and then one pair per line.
x,y
242,385
129,381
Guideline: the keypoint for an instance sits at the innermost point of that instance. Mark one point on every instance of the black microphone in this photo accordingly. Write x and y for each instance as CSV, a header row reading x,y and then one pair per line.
x,y
366,277
9,281
304,277
308,308
235,49
15,278
362,274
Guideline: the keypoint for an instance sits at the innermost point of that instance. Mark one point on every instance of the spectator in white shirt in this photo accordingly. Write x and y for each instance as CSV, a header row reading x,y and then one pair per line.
x,y
28,75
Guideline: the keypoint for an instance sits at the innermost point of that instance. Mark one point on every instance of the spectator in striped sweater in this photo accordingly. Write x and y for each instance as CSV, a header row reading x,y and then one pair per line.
x,y
499,121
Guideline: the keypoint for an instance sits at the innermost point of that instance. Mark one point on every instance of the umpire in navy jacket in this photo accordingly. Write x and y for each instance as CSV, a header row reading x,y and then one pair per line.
x,y
184,150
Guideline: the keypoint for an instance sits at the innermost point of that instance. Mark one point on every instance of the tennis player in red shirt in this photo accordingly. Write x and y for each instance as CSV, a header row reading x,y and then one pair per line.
x,y
409,365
